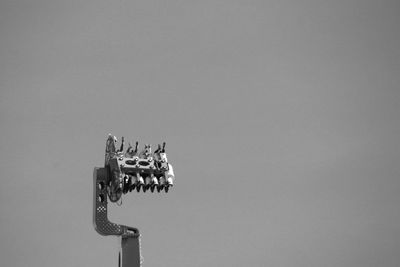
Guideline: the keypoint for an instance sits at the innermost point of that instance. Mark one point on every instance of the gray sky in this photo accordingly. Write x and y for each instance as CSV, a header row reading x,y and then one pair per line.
x,y
281,118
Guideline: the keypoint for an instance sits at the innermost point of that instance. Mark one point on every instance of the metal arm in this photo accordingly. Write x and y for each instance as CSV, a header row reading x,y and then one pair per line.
x,y
122,173
129,255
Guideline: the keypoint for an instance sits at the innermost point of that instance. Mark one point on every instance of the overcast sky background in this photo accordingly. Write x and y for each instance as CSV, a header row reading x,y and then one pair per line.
x,y
282,122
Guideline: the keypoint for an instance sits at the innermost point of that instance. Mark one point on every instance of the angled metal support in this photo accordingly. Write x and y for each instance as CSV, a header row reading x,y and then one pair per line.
x,y
129,255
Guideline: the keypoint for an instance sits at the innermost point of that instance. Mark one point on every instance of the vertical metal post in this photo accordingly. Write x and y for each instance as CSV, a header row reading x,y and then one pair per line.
x,y
130,252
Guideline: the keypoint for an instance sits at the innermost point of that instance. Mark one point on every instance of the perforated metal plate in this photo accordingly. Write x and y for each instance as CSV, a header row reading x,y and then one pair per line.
x,y
100,218
130,251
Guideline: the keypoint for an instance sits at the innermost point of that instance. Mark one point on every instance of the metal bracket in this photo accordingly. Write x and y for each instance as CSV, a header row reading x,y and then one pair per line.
x,y
129,255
